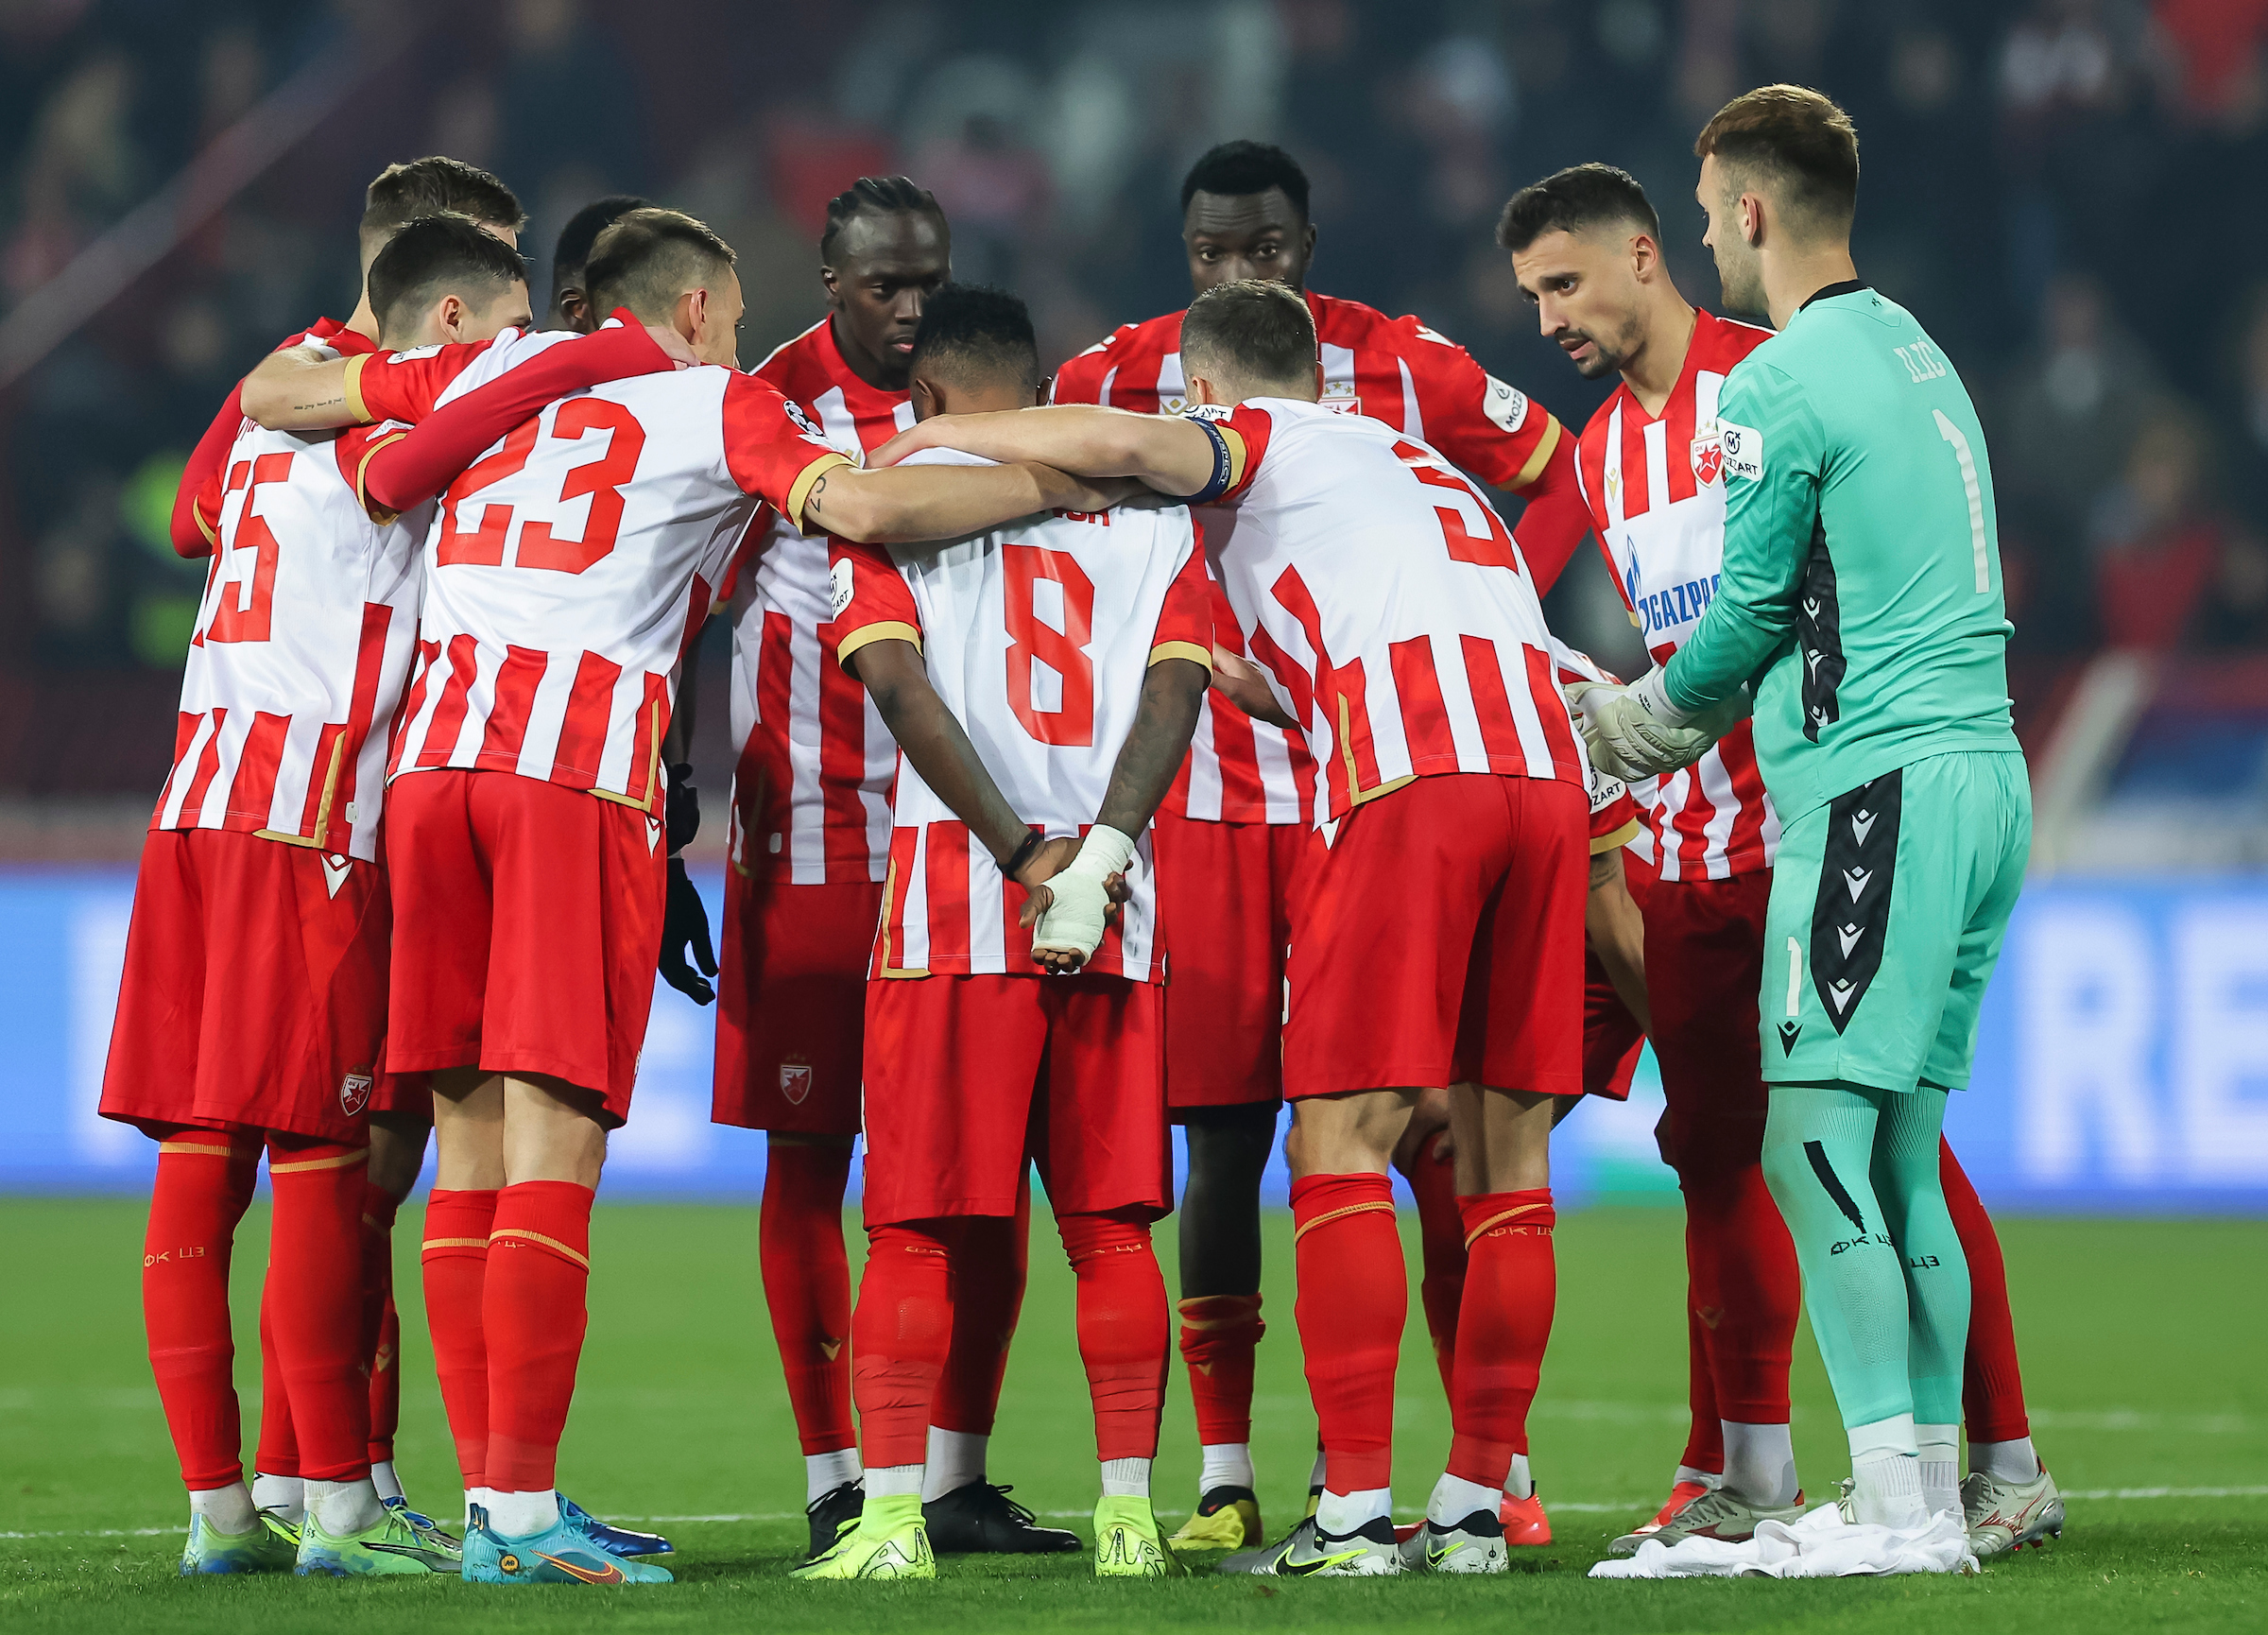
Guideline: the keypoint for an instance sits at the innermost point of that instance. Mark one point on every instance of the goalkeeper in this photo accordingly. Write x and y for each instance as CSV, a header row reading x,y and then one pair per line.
x,y
1862,600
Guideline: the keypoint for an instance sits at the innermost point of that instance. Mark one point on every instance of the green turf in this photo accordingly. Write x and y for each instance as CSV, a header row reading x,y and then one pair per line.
x,y
2144,1345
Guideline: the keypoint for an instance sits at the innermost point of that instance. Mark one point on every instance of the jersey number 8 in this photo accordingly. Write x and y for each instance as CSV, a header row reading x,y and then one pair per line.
x,y
1032,638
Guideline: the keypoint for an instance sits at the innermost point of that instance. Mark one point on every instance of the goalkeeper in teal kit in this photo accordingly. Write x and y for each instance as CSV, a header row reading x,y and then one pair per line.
x,y
1861,607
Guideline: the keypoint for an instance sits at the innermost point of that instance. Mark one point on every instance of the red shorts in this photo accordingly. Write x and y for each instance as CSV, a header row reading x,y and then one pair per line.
x,y
1223,904
791,1007
1611,1037
253,995
1438,939
527,921
969,1076
1705,959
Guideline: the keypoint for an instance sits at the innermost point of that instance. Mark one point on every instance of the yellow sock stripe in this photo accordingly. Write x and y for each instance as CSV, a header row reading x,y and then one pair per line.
x,y
337,1160
552,1244
1385,1204
432,1244
198,1149
1496,1220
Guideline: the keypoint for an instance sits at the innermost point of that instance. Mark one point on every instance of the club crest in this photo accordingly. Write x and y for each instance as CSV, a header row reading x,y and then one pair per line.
x,y
1707,455
795,1081
354,1094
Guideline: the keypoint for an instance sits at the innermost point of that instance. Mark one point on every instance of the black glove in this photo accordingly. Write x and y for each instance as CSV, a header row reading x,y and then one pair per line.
x,y
685,920
683,807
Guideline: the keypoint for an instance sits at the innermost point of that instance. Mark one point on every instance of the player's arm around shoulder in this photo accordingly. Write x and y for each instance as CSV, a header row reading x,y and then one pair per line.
x,y
1774,452
1168,453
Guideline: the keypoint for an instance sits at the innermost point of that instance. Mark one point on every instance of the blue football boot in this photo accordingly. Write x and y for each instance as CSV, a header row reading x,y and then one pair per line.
x,y
561,1553
614,1540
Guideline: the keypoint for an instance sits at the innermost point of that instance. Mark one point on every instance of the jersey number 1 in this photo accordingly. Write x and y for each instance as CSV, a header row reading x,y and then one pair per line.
x,y
1979,546
1071,724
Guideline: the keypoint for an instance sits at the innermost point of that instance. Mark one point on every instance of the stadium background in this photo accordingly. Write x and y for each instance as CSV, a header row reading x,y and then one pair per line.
x,y
2054,188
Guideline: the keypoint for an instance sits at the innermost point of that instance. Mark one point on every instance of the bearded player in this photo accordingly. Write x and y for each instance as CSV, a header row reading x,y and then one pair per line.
x,y
808,854
1237,813
1586,247
1043,681
262,862
1397,628
526,941
1861,596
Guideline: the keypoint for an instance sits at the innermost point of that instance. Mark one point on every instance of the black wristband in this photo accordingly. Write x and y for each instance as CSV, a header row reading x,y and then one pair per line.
x,y
1032,841
1222,465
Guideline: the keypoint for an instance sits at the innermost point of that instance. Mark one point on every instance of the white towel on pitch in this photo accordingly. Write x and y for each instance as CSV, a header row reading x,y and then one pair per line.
x,y
1817,1544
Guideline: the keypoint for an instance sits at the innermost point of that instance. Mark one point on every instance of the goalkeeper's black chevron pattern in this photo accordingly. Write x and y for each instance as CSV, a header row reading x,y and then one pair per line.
x,y
1819,635
1851,916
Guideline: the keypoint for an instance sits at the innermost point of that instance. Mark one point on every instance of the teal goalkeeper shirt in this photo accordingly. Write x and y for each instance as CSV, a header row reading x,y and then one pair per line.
x,y
1862,568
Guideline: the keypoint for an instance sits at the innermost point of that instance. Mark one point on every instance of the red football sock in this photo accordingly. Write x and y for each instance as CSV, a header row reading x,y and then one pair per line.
x,y
900,1335
381,1325
1441,1240
1741,1262
203,1184
1354,1298
456,1261
1122,1322
990,1255
1503,1331
1219,1336
1705,1440
1992,1385
807,1285
317,1312
278,1452
534,1309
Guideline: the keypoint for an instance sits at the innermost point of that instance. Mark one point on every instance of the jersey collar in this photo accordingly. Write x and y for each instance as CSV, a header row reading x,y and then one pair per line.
x,y
1847,286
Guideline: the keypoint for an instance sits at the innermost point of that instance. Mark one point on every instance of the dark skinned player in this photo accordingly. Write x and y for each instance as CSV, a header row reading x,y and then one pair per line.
x,y
809,851
1237,819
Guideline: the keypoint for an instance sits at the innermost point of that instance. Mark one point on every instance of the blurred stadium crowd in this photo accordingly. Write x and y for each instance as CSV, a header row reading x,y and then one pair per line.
x,y
2061,189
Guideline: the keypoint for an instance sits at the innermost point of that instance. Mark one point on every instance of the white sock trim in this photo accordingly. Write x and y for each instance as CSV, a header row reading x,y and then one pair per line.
x,y
1760,1463
228,1509
343,1508
956,1459
1343,1514
824,1472
894,1481
1453,1498
385,1481
1125,1478
1520,1482
1878,1436
1227,1464
523,1515
2015,1461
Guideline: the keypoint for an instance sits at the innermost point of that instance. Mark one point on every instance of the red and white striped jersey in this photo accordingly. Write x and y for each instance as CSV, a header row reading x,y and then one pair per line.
x,y
1387,603
567,569
1037,636
811,782
1392,369
303,641
1656,497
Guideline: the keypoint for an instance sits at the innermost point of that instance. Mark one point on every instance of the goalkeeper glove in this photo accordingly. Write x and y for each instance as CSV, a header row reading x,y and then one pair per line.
x,y
1635,732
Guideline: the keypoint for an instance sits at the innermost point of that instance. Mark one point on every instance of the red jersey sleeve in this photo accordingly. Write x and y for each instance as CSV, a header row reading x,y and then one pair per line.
x,y
409,470
1613,820
404,386
869,601
1494,431
1185,623
196,500
1552,526
1080,379
1247,429
772,448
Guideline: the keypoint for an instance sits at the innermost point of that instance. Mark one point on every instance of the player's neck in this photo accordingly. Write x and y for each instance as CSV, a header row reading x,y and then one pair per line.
x,y
872,370
1791,281
1652,374
365,321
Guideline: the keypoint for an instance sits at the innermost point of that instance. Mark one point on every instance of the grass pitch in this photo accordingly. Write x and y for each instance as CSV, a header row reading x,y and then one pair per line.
x,y
2144,1344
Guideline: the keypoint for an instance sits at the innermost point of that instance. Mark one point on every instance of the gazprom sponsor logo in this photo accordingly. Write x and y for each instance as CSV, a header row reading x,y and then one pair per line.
x,y
1674,606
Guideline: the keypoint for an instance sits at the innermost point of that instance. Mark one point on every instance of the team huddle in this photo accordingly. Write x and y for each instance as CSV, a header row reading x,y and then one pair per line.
x,y
1152,743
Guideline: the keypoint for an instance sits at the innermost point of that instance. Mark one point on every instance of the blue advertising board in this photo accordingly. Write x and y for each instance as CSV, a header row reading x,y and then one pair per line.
x,y
2122,1064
